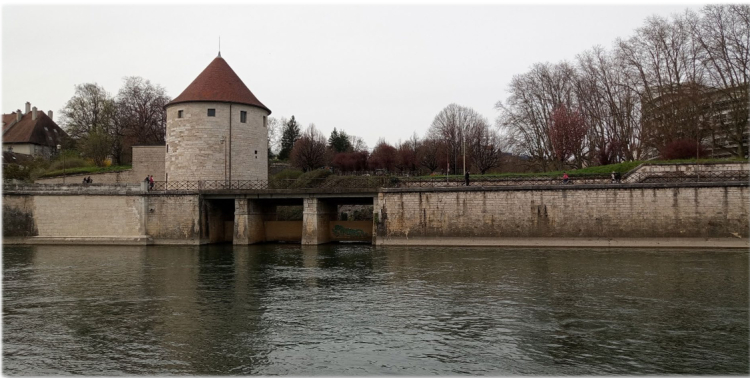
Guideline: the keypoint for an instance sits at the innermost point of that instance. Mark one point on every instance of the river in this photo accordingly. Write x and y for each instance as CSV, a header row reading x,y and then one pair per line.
x,y
361,310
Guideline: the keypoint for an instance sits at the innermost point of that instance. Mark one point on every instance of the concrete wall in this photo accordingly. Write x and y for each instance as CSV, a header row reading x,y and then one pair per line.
x,y
656,212
194,148
173,219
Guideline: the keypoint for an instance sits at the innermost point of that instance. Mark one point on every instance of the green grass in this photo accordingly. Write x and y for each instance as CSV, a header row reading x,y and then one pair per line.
x,y
622,168
85,170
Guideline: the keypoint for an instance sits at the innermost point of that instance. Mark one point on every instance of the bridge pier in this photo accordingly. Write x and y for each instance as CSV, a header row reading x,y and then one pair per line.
x,y
248,222
316,217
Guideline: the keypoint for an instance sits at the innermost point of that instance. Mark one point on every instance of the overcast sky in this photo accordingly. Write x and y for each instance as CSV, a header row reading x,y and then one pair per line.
x,y
372,70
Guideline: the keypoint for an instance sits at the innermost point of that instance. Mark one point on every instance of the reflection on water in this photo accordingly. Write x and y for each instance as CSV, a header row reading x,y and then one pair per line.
x,y
360,310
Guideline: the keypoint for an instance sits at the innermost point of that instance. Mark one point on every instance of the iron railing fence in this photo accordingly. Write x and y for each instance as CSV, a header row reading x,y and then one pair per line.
x,y
348,183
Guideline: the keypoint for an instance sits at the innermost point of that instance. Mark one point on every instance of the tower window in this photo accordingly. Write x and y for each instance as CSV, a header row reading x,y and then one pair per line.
x,y
179,114
265,119
212,112
243,116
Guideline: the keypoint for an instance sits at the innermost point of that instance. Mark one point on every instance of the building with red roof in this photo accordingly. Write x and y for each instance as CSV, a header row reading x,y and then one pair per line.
x,y
31,133
216,129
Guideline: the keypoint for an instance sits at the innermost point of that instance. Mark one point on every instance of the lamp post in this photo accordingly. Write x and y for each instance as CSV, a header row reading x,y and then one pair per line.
x,y
59,149
463,145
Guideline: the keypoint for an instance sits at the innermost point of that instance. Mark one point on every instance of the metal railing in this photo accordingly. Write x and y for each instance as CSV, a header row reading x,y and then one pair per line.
x,y
349,183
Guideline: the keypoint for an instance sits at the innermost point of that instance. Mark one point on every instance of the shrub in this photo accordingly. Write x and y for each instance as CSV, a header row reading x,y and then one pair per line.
x,y
682,149
70,162
311,179
282,179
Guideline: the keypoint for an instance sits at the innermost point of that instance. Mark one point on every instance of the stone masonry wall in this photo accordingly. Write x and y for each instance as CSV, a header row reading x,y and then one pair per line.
x,y
194,148
173,219
122,177
89,216
148,160
18,216
600,213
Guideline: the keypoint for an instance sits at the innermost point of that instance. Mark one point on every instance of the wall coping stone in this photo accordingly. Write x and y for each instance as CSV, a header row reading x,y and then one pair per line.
x,y
513,188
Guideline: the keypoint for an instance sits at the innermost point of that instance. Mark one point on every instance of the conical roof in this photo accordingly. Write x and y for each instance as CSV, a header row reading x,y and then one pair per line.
x,y
218,83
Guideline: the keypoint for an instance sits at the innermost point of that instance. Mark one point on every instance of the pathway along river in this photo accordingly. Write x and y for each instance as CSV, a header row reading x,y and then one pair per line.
x,y
360,310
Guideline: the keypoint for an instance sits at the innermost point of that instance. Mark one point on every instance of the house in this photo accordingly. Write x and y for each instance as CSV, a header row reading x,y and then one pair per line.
x,y
31,133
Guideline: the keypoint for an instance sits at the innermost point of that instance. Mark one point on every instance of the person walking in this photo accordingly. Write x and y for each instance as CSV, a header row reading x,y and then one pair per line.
x,y
466,177
151,182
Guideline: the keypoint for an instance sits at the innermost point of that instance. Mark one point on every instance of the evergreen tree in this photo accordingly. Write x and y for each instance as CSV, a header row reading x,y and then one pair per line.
x,y
339,141
289,136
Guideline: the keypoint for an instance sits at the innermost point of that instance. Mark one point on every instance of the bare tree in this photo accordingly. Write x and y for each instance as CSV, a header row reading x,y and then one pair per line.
x,y
525,116
485,148
567,132
454,125
141,117
662,63
430,152
383,156
723,34
610,107
309,151
358,144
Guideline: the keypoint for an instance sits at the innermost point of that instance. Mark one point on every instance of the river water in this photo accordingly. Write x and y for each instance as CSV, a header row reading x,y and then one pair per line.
x,y
361,310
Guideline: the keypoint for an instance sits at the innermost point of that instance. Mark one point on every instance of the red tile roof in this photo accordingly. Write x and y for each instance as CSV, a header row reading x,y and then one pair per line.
x,y
218,83
8,119
42,130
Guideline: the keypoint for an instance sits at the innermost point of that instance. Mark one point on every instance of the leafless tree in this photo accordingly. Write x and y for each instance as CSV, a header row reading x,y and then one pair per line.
x,y
662,63
610,107
485,148
454,125
384,156
431,153
567,133
141,117
310,151
358,144
525,116
723,34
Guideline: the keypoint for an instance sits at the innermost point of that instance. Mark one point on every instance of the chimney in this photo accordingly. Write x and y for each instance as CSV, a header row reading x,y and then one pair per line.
x,y
33,113
49,114
18,115
28,107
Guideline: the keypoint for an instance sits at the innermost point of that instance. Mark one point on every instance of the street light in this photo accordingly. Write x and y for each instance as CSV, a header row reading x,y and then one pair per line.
x,y
59,149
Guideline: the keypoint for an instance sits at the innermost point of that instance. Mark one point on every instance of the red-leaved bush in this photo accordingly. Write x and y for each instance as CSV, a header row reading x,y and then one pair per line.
x,y
682,149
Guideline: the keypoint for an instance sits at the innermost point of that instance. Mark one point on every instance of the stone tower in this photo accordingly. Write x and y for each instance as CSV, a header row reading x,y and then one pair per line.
x,y
216,129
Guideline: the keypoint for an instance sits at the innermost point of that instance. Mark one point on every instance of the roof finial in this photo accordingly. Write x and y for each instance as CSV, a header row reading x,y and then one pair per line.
x,y
219,46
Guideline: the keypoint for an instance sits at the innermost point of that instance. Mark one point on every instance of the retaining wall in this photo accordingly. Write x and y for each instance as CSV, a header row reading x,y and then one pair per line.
x,y
595,211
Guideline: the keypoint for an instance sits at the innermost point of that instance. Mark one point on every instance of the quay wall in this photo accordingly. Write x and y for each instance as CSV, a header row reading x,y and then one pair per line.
x,y
118,216
554,213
